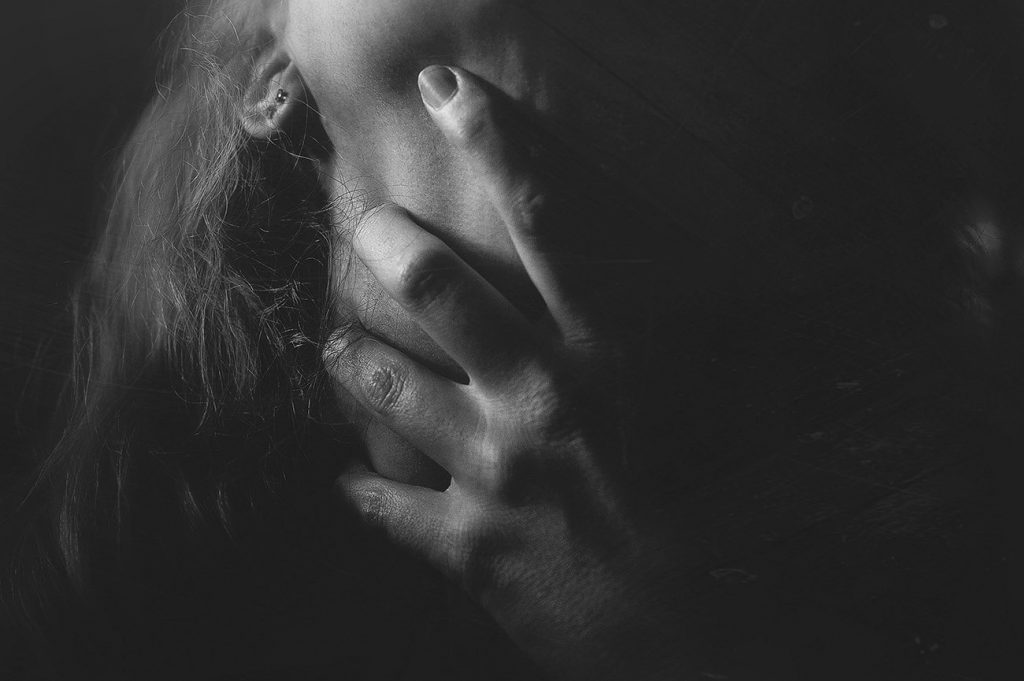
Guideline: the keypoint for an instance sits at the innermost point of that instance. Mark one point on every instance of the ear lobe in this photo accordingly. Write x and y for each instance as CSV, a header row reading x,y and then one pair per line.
x,y
274,94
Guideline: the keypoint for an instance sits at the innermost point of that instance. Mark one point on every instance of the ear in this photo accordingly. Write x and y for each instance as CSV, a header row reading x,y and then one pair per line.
x,y
274,94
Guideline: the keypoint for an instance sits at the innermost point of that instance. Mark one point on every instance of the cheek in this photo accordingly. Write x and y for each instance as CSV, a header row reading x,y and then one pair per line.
x,y
360,59
358,54
355,54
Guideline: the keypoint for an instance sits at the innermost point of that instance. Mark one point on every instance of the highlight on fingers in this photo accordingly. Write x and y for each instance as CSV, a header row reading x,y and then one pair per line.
x,y
413,517
508,156
426,410
463,313
438,85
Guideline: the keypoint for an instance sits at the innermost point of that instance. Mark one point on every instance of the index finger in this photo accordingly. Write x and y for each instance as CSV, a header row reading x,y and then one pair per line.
x,y
495,144
459,309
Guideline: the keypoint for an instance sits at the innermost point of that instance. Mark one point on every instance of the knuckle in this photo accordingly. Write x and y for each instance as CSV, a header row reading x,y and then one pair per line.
x,y
424,277
494,468
528,202
476,552
380,216
530,436
339,348
474,125
374,503
385,387
552,409
377,219
513,473
559,427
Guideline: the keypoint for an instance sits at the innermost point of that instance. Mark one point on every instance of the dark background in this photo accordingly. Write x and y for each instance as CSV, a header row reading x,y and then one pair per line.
x,y
77,73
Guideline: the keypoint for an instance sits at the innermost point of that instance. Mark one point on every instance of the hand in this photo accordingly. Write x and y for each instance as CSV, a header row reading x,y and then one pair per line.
x,y
537,523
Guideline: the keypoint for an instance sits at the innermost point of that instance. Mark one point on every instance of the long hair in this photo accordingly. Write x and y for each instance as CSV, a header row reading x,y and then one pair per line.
x,y
196,370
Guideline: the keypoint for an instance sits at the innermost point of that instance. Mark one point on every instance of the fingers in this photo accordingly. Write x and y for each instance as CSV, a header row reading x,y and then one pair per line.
x,y
412,517
431,413
493,141
464,314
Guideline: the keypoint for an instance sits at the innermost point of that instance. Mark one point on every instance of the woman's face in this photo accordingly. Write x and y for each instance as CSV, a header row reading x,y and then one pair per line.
x,y
707,105
360,60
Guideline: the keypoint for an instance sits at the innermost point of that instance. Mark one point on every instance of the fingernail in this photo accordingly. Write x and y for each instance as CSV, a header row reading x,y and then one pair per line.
x,y
437,86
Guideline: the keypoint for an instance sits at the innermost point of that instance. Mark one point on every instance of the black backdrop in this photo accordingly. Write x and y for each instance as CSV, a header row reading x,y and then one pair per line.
x,y
76,74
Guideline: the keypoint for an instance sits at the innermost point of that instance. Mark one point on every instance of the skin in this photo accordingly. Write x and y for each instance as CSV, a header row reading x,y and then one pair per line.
x,y
359,61
534,519
375,120
471,353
